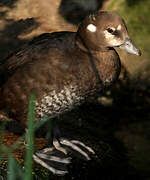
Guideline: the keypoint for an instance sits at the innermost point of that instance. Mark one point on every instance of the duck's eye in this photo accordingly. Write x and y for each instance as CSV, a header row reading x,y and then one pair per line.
x,y
110,30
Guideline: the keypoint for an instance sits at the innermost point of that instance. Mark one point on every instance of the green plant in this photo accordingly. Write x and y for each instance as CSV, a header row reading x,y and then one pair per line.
x,y
15,171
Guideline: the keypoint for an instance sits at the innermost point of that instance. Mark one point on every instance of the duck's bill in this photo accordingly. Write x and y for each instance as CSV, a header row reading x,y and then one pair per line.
x,y
129,47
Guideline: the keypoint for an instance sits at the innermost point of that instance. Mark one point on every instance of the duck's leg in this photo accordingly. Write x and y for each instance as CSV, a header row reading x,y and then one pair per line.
x,y
57,158
54,158
78,147
66,146
56,141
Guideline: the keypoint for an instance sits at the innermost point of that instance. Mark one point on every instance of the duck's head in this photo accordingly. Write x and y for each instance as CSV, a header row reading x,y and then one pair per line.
x,y
104,30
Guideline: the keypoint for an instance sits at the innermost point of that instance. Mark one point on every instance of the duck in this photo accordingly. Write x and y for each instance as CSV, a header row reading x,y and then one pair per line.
x,y
63,69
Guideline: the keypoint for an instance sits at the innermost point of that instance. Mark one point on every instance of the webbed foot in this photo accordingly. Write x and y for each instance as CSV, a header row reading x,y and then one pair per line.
x,y
53,159
78,147
57,158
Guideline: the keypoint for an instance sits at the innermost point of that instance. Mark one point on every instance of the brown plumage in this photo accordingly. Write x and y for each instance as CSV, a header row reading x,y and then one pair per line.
x,y
46,69
64,68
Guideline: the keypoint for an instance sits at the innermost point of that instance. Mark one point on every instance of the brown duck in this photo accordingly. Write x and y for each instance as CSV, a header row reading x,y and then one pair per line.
x,y
62,69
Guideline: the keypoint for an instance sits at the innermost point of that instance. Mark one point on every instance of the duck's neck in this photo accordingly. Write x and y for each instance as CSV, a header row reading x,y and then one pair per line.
x,y
86,48
103,67
108,66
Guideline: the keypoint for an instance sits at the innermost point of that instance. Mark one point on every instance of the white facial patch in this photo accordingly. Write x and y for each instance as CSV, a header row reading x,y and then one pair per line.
x,y
119,27
112,40
108,35
91,27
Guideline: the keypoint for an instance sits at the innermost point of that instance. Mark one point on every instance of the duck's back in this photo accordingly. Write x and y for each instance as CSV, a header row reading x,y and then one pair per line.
x,y
43,44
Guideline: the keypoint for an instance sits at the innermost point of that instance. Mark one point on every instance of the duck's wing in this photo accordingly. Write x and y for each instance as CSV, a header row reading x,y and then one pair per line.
x,y
32,51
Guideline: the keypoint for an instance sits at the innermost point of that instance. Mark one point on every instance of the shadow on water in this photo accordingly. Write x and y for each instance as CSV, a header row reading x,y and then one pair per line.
x,y
74,11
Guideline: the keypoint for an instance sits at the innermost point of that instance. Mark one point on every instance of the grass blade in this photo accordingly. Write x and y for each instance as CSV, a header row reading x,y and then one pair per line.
x,y
30,139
